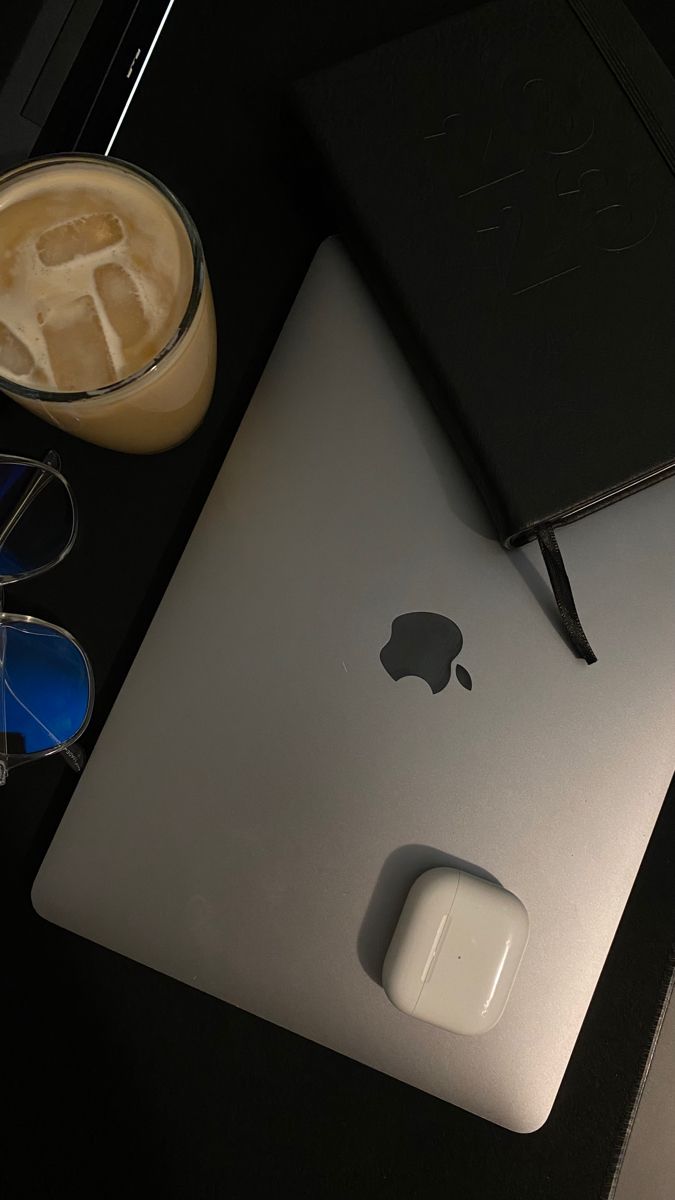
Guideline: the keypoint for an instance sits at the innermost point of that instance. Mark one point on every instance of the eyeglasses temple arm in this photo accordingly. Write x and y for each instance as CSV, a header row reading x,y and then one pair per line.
x,y
75,757
40,481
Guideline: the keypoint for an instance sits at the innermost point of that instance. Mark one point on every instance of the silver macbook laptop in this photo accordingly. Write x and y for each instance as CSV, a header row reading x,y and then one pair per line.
x,y
265,791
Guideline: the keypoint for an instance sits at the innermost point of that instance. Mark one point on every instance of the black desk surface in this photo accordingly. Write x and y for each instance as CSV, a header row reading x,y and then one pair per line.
x,y
118,1081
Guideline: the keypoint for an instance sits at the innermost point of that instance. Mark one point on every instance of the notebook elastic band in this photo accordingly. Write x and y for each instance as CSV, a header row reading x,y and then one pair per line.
x,y
562,590
623,76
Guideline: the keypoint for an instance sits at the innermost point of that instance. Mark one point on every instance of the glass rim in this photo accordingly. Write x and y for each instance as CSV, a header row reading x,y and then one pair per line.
x,y
198,278
49,469
15,760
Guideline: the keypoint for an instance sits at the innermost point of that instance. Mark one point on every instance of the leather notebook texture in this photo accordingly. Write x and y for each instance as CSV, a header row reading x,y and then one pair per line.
x,y
506,180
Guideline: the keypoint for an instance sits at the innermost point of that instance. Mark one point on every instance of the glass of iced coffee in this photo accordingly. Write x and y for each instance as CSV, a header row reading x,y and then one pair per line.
x,y
107,327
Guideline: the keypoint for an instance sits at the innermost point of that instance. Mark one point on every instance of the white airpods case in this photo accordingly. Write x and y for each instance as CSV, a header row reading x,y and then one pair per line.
x,y
456,950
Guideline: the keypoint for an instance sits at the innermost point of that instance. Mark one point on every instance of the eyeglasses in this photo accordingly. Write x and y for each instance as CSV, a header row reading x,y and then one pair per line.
x,y
46,681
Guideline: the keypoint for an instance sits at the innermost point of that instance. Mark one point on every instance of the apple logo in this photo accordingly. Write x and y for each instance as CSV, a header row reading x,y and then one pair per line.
x,y
425,644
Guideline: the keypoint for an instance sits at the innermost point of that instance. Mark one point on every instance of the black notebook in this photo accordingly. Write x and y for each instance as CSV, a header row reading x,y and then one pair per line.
x,y
506,180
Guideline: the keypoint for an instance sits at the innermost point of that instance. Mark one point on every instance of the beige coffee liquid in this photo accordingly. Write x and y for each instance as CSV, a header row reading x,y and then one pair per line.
x,y
96,272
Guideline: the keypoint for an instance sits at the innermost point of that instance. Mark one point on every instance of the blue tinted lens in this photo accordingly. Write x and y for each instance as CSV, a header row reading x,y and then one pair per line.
x,y
11,475
14,479
44,688
36,519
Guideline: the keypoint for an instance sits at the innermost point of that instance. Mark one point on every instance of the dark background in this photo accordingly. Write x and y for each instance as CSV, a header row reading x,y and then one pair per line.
x,y
118,1081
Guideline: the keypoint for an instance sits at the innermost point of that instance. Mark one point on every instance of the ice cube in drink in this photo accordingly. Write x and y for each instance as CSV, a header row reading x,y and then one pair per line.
x,y
78,237
121,300
15,357
76,345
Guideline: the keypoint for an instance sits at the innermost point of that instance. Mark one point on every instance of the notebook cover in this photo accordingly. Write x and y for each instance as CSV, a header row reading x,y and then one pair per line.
x,y
505,179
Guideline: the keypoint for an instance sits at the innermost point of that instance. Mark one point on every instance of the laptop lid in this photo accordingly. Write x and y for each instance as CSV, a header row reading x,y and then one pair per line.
x,y
264,793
